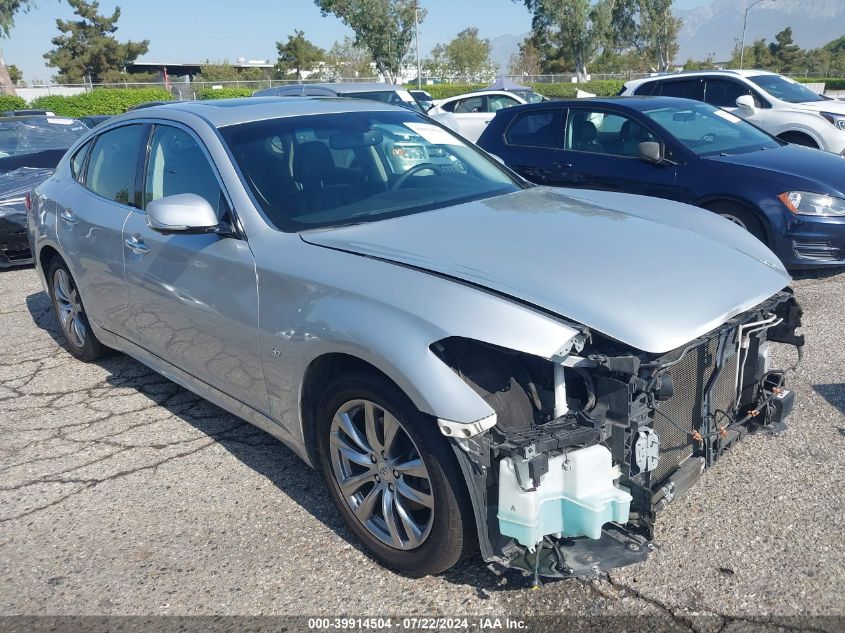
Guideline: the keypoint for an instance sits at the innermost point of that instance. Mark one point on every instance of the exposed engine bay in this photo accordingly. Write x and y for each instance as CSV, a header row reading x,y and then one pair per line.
x,y
587,449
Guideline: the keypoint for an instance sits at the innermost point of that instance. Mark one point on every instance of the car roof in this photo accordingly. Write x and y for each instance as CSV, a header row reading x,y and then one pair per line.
x,y
482,93
351,87
634,102
18,118
695,73
225,112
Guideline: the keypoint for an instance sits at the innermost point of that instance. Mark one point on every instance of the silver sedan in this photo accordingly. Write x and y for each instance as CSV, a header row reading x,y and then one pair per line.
x,y
472,362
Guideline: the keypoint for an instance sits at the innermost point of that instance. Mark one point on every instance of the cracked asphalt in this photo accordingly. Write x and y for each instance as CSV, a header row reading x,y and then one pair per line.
x,y
123,494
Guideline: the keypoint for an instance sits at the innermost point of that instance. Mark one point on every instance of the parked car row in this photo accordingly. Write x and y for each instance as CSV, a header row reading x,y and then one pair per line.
x,y
791,198
471,361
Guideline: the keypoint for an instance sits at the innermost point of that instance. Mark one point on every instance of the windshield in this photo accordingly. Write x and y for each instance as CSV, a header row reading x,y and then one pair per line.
x,y
708,131
25,136
786,89
333,169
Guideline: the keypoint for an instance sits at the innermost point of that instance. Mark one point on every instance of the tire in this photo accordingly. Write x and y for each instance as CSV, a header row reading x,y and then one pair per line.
x,y
741,216
67,304
797,138
426,539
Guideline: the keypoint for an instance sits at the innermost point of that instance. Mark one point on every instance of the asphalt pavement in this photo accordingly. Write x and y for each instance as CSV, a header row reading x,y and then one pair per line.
x,y
123,494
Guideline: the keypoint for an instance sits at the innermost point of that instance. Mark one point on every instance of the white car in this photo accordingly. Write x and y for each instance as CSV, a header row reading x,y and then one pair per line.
x,y
468,114
777,104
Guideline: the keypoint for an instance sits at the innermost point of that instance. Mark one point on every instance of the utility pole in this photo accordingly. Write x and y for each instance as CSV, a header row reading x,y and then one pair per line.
x,y
748,8
417,38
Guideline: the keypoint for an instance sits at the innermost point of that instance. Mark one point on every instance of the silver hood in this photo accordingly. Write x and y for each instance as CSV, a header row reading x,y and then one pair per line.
x,y
650,273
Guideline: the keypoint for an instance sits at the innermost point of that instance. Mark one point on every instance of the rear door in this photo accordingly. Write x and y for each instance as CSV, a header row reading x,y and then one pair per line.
x,y
532,145
194,298
91,219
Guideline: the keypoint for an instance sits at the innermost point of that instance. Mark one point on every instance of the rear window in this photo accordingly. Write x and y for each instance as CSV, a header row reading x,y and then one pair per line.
x,y
542,128
20,136
682,88
646,89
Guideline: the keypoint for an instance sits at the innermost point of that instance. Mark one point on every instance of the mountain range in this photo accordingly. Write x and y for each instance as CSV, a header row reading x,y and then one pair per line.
x,y
716,27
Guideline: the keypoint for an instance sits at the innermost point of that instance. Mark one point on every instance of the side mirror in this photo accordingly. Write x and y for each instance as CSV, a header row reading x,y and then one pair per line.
x,y
651,152
746,104
498,159
182,213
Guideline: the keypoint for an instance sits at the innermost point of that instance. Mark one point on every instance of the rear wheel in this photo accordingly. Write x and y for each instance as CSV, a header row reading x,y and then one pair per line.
x,y
742,217
70,312
393,476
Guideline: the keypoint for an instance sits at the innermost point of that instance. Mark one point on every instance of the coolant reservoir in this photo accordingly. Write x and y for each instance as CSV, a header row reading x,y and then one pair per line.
x,y
575,498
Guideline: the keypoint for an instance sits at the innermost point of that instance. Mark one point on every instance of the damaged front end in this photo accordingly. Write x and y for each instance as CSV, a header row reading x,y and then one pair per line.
x,y
587,448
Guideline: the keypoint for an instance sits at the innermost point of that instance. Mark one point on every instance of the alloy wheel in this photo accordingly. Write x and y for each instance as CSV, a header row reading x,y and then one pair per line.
x,y
71,314
734,219
381,474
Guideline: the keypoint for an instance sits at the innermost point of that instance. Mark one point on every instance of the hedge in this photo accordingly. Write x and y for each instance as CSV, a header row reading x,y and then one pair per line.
x,y
830,83
606,88
223,93
100,101
11,102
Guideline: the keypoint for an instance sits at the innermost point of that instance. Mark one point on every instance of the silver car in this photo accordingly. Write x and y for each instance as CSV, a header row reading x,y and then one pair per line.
x,y
471,362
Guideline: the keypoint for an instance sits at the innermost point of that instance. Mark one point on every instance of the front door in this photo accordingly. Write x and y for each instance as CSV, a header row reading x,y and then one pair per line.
x,y
91,219
602,151
194,298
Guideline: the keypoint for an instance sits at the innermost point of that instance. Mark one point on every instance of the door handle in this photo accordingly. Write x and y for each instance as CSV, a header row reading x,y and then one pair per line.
x,y
136,245
68,216
562,165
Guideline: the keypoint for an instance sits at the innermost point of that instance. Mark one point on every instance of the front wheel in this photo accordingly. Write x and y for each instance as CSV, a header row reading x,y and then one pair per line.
x,y
742,217
67,303
393,476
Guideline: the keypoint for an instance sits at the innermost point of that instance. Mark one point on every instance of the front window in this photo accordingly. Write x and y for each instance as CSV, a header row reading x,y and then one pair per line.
x,y
786,89
28,136
333,169
605,133
177,164
709,131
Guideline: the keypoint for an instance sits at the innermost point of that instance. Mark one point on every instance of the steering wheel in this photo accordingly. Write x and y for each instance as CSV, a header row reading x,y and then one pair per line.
x,y
413,170
710,137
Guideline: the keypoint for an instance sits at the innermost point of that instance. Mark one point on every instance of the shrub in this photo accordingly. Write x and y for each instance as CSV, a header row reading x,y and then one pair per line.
x,y
223,93
604,88
100,101
11,102
444,91
830,83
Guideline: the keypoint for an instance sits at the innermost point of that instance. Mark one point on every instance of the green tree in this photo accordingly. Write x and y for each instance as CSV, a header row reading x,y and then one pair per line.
x,y
647,27
757,56
785,53
298,54
384,27
346,59
14,74
468,56
226,72
527,60
658,33
87,48
8,9
576,29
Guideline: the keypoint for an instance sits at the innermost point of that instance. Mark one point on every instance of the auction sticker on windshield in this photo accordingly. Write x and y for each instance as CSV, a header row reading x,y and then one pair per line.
x,y
727,116
433,134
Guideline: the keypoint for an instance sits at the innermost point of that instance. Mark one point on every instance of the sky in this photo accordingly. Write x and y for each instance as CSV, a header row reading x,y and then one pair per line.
x,y
182,31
